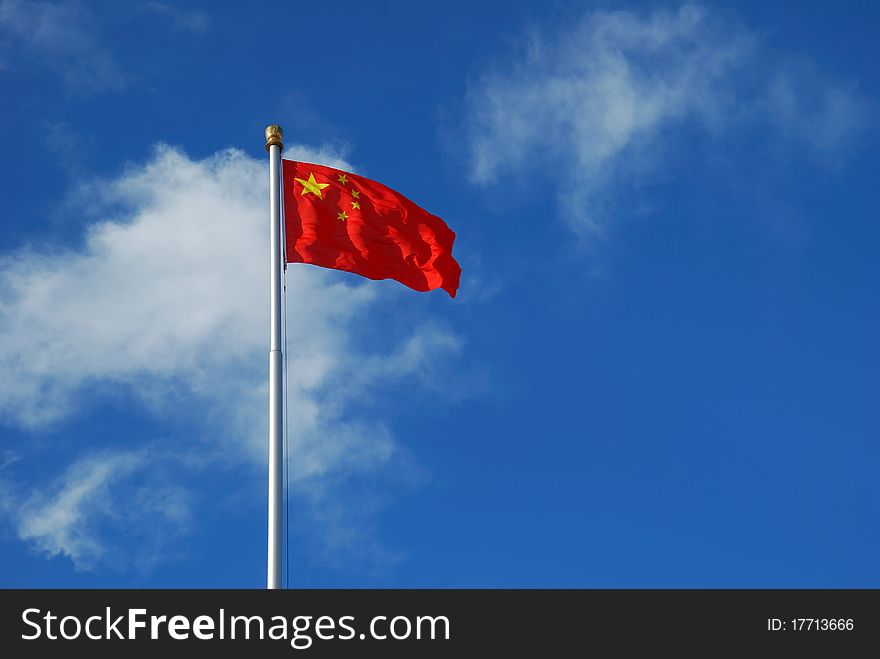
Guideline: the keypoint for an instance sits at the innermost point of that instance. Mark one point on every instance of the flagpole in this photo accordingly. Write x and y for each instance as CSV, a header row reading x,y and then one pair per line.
x,y
274,146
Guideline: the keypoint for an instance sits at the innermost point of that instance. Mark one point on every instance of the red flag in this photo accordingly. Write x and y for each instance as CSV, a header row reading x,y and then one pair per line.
x,y
343,221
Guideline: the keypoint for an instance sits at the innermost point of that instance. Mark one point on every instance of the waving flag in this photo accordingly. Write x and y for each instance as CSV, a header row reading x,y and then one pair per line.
x,y
343,221
340,220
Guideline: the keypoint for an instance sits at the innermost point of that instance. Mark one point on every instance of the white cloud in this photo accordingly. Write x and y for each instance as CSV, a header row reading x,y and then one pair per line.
x,y
166,303
591,106
62,36
65,516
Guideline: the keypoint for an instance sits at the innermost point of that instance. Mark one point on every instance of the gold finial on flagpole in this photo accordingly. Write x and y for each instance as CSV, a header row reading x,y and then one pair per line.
x,y
273,136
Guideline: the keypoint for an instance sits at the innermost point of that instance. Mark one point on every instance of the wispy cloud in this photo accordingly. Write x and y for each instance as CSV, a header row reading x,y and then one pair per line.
x,y
828,117
184,19
586,108
63,37
165,304
116,489
70,147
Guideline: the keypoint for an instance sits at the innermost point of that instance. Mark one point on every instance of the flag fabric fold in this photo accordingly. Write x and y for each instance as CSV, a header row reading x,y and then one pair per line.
x,y
343,221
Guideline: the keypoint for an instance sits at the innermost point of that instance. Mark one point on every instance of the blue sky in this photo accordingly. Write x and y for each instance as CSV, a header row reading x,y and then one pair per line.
x,y
661,369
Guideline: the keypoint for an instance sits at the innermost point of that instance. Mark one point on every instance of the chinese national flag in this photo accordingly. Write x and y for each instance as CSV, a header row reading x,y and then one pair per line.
x,y
339,220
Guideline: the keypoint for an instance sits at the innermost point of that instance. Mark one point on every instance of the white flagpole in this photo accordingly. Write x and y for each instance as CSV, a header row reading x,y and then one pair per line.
x,y
274,146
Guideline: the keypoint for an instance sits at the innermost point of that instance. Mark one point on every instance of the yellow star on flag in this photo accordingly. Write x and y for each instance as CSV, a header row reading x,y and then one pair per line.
x,y
342,216
343,179
354,205
355,194
312,186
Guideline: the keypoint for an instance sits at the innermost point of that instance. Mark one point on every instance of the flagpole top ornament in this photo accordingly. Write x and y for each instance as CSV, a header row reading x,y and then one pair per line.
x,y
273,136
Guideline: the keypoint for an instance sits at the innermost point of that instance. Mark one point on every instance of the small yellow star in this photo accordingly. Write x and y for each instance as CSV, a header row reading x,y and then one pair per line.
x,y
354,205
312,186
343,179
342,216
355,194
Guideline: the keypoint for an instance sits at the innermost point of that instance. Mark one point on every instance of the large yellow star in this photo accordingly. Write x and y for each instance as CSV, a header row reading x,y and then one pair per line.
x,y
312,186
